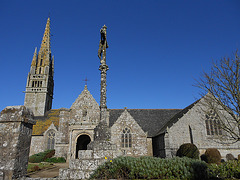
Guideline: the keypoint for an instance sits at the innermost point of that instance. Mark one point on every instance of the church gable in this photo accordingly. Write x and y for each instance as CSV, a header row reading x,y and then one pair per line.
x,y
150,120
129,136
85,108
190,126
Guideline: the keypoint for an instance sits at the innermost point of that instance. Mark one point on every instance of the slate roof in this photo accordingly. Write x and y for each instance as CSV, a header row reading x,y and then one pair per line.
x,y
176,117
43,122
150,120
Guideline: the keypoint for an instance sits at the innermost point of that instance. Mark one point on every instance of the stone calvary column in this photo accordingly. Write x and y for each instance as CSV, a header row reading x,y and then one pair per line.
x,y
101,149
103,68
102,131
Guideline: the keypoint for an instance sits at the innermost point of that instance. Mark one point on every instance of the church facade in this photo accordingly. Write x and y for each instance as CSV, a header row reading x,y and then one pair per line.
x,y
133,132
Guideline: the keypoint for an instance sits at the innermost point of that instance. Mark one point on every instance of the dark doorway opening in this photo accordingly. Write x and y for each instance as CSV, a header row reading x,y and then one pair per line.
x,y
82,143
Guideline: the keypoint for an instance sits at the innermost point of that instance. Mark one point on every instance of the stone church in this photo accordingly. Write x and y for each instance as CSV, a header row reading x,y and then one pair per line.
x,y
134,132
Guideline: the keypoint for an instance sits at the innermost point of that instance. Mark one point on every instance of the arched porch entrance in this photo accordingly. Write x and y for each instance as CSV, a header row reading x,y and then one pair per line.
x,y
82,143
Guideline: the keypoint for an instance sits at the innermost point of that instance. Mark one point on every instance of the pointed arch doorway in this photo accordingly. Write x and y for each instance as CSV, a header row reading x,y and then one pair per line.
x,y
82,142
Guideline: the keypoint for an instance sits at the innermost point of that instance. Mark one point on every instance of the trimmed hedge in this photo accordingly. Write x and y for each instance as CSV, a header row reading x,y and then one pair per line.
x,y
151,168
56,160
40,157
212,155
229,169
188,150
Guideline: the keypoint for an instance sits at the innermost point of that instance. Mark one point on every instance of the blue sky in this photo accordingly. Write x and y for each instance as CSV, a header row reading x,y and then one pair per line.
x,y
156,48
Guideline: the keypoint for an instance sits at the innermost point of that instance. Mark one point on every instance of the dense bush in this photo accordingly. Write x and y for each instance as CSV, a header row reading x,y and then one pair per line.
x,y
151,168
213,156
229,169
40,157
188,150
56,160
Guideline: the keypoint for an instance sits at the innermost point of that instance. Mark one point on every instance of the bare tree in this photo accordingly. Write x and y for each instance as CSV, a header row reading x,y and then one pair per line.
x,y
221,85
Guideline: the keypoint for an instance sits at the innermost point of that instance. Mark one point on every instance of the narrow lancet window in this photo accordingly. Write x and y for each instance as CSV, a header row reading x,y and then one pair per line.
x,y
50,140
126,138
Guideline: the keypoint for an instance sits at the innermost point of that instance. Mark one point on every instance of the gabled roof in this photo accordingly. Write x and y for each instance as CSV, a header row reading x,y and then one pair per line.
x,y
176,117
43,122
85,99
150,120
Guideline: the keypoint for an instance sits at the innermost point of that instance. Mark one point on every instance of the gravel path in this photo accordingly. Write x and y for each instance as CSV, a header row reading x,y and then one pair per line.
x,y
49,173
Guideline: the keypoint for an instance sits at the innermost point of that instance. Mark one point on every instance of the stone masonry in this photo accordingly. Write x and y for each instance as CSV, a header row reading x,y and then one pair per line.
x,y
16,124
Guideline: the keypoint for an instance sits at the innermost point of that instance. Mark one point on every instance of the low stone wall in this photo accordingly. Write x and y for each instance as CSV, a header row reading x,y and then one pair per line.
x,y
88,161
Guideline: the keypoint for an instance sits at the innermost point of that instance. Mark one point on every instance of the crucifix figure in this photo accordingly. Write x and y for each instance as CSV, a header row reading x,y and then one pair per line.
x,y
103,45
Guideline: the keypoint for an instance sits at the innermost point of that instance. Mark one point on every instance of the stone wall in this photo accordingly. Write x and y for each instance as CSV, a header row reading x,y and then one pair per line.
x,y
37,145
88,161
35,101
15,138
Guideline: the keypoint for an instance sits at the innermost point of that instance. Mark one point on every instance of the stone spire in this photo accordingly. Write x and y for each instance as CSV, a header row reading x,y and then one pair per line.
x,y
39,88
34,60
44,54
45,46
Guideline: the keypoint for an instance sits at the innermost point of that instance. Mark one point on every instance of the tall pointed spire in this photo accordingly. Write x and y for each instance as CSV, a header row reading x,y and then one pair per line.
x,y
44,54
40,78
45,46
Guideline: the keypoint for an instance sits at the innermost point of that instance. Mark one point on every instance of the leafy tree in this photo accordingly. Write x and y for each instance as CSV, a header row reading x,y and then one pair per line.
x,y
221,85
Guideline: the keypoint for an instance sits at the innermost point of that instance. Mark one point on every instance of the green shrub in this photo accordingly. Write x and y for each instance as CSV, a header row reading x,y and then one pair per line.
x,y
188,150
229,169
151,168
56,160
39,157
213,156
230,157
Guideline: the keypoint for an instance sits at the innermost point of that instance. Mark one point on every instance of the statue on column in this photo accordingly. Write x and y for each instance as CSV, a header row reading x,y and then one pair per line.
x,y
103,45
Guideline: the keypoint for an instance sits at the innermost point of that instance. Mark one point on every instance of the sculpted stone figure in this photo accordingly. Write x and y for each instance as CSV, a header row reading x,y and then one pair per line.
x,y
103,45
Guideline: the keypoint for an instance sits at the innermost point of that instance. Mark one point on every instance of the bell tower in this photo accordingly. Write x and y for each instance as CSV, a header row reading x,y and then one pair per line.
x,y
39,88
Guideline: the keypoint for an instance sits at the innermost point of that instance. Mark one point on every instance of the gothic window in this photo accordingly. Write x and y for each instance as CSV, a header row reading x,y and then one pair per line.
x,y
50,140
126,138
212,124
